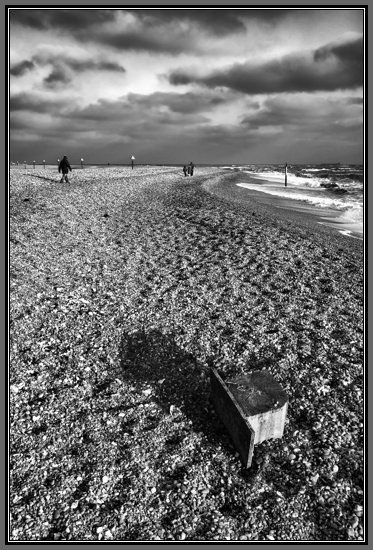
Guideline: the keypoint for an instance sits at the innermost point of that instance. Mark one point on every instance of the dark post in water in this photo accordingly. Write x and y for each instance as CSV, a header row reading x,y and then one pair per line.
x,y
286,175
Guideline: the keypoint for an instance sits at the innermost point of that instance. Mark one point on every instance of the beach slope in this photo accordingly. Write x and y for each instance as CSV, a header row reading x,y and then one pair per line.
x,y
125,288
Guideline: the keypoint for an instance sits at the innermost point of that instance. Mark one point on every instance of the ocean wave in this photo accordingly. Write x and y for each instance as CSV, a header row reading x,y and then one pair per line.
x,y
322,201
338,179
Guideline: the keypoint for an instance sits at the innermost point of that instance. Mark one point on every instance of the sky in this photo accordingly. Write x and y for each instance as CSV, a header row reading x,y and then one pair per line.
x,y
212,86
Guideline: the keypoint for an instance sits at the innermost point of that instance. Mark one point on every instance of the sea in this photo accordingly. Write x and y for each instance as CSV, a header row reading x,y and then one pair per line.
x,y
327,188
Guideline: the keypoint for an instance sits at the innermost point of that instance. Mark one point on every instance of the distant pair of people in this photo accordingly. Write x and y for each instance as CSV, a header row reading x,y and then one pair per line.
x,y
189,169
64,167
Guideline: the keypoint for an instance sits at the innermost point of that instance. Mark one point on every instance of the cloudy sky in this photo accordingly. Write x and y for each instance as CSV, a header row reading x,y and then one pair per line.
x,y
174,85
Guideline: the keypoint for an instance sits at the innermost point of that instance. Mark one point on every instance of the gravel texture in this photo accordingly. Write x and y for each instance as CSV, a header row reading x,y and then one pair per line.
x,y
125,287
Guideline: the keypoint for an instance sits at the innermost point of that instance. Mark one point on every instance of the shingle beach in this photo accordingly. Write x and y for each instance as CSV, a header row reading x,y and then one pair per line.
x,y
126,287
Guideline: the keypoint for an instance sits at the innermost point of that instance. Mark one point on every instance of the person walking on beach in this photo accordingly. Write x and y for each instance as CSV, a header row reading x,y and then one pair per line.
x,y
64,167
185,170
191,168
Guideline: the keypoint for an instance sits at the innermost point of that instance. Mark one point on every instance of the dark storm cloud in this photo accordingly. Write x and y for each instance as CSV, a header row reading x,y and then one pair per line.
x,y
34,103
77,65
274,113
63,68
319,116
330,68
89,65
180,103
348,52
141,41
21,68
355,101
59,76
69,20
154,30
157,108
278,112
135,117
160,106
217,21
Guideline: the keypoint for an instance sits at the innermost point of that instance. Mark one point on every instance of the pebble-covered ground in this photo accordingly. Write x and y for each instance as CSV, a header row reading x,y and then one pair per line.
x,y
125,288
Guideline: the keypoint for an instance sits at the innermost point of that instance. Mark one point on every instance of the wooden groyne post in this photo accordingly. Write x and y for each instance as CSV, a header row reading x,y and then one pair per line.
x,y
252,407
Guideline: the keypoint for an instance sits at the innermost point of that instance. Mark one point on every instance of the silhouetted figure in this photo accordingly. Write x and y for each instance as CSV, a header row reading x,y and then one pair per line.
x,y
64,167
185,170
191,168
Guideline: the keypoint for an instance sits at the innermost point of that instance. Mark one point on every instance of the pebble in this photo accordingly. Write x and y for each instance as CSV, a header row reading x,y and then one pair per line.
x,y
358,510
315,478
355,522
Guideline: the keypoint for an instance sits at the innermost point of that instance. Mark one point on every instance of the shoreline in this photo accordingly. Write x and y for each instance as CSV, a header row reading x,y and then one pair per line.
x,y
305,214
124,290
